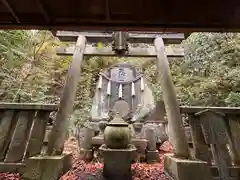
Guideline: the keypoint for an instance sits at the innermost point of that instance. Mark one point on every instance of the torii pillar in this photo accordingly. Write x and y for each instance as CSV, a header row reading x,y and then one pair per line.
x,y
179,165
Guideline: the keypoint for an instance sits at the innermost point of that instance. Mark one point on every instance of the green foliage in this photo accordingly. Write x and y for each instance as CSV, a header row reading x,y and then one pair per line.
x,y
13,45
233,99
29,76
208,75
212,61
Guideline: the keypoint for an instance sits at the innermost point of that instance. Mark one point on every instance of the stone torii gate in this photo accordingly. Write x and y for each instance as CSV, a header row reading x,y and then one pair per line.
x,y
128,44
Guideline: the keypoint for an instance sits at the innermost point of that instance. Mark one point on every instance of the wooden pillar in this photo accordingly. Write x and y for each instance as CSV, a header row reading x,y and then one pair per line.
x,y
175,125
59,132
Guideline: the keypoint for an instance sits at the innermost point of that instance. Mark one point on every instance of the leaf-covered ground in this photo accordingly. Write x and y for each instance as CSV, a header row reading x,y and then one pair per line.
x,y
140,171
93,171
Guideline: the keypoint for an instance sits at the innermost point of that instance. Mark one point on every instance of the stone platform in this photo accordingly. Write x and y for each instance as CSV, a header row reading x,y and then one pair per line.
x,y
184,169
47,167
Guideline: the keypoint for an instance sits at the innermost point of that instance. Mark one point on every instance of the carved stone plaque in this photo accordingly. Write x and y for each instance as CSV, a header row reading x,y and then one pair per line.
x,y
123,74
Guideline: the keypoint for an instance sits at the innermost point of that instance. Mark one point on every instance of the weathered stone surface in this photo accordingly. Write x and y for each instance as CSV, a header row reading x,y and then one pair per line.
x,y
93,125
47,134
188,134
12,167
86,154
5,127
17,146
150,136
137,129
184,169
102,125
141,145
117,163
159,129
47,167
97,140
152,157
117,134
87,139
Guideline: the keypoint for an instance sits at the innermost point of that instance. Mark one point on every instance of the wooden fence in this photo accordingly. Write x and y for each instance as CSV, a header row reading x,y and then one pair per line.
x,y
215,134
22,130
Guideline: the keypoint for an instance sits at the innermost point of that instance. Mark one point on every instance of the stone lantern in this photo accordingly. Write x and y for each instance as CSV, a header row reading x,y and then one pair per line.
x,y
117,133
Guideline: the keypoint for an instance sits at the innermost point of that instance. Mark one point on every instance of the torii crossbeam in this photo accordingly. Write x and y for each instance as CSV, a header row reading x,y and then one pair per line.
x,y
136,44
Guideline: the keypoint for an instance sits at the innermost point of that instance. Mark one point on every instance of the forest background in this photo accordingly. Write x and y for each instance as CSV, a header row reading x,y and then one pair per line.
x,y
31,72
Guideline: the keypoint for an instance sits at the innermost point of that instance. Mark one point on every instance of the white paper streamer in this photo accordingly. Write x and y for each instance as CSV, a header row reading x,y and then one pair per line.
x,y
133,89
120,91
142,85
109,88
100,83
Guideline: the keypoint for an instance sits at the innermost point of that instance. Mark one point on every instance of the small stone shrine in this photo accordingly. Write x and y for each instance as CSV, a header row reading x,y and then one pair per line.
x,y
123,89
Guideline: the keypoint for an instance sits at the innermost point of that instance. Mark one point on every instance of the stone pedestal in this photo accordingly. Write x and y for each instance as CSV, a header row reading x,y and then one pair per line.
x,y
47,167
152,157
152,153
141,145
184,169
117,163
86,154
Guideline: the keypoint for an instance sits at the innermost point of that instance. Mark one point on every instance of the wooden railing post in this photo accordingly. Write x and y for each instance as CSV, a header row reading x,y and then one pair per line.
x,y
58,135
176,130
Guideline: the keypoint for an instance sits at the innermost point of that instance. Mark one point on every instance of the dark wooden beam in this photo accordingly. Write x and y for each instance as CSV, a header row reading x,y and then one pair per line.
x,y
134,37
54,32
139,9
11,10
147,51
187,34
107,9
117,27
44,11
155,15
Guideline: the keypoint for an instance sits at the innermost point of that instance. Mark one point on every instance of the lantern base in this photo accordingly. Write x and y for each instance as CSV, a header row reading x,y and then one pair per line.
x,y
117,162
